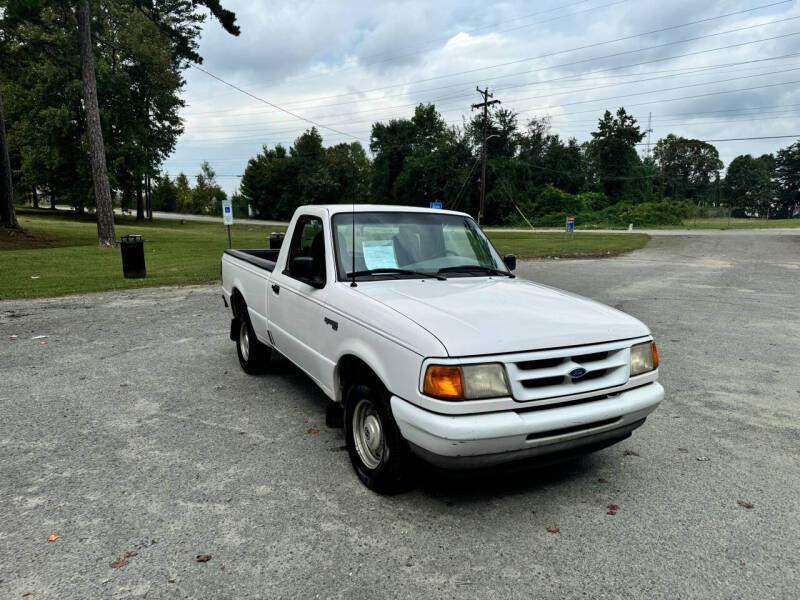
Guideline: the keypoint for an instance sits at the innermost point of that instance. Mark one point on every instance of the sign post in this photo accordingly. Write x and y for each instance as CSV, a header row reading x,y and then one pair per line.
x,y
570,225
227,218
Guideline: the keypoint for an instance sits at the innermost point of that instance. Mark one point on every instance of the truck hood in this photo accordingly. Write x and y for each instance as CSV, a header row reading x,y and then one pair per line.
x,y
475,316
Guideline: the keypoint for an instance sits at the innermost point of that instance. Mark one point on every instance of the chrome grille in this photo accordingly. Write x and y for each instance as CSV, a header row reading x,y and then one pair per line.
x,y
544,374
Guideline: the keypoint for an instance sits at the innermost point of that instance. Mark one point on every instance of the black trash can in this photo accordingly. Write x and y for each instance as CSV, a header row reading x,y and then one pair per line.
x,y
132,256
275,240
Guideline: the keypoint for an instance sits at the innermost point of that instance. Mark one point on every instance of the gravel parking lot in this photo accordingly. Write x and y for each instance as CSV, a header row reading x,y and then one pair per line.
x,y
130,428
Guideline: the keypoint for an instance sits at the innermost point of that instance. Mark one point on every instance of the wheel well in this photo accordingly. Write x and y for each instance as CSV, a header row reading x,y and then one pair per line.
x,y
238,305
349,369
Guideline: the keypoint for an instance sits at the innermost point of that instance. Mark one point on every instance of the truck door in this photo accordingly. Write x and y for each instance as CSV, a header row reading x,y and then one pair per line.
x,y
297,298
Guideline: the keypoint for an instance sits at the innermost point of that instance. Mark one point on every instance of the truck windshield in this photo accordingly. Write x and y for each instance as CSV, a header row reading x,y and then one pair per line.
x,y
390,245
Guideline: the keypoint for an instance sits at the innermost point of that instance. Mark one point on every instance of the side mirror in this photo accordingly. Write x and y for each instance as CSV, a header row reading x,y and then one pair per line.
x,y
303,269
511,262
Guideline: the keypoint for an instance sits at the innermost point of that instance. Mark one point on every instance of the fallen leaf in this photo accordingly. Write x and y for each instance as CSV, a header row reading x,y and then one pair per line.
x,y
52,538
338,448
14,336
745,504
613,507
203,557
170,581
742,563
222,567
128,554
313,430
602,480
124,385
630,453
771,344
703,458
26,594
552,529
611,512
118,563
683,449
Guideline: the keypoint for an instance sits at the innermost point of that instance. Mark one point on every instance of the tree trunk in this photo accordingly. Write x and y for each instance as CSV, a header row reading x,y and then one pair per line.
x,y
97,154
35,196
8,218
148,202
139,203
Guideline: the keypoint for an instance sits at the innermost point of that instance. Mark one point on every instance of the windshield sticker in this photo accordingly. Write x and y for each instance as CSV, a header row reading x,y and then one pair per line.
x,y
379,254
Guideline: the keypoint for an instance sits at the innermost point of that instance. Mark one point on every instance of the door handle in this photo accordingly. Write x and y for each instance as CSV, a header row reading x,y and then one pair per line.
x,y
334,324
276,288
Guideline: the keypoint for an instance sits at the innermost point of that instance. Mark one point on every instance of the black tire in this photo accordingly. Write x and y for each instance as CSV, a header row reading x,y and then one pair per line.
x,y
391,472
253,355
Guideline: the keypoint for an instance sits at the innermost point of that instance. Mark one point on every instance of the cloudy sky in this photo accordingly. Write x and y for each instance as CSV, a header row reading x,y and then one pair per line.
x,y
717,70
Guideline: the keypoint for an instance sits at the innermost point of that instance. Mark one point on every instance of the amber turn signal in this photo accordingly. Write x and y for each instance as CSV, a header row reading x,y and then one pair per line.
x,y
444,382
655,355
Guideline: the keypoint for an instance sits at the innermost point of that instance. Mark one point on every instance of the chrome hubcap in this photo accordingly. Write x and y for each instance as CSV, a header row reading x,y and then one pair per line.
x,y
244,341
368,434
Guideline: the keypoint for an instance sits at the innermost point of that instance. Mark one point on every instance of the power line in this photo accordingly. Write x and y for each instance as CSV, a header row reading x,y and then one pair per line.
x,y
280,108
685,71
597,58
578,102
602,43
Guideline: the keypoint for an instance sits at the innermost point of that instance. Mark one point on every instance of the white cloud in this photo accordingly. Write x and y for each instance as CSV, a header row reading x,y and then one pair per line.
x,y
348,64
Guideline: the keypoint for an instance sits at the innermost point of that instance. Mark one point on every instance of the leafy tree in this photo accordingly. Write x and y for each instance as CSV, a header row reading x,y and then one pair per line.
x,y
178,21
164,194
276,182
207,195
613,155
686,168
787,174
749,184
184,192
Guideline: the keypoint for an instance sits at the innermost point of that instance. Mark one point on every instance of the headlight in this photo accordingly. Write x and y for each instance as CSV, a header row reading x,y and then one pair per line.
x,y
469,382
644,358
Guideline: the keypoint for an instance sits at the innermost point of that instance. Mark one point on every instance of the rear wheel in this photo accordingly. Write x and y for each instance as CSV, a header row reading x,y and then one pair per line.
x,y
253,355
379,454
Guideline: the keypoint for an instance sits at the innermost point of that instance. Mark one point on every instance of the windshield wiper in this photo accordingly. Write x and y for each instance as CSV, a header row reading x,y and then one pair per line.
x,y
392,271
465,268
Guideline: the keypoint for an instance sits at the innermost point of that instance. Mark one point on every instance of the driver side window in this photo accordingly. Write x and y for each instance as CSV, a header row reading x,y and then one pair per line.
x,y
306,260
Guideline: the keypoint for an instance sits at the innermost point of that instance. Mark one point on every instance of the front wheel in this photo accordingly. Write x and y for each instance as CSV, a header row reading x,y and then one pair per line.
x,y
379,454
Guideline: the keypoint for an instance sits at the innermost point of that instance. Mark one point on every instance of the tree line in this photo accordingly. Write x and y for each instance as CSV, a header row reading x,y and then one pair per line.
x,y
533,174
89,98
126,58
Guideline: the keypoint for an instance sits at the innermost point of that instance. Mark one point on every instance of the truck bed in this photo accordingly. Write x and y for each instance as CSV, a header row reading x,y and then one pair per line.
x,y
261,258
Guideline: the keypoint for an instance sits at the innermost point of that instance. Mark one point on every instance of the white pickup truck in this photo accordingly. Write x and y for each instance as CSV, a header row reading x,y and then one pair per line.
x,y
410,320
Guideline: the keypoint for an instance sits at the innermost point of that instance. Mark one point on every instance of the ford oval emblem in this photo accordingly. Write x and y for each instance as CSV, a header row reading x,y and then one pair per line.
x,y
577,373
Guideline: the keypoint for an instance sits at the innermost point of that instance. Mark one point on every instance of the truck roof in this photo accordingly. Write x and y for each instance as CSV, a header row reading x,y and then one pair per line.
x,y
347,208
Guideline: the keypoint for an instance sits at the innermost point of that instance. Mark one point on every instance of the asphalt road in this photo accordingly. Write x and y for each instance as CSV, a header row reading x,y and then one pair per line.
x,y
132,429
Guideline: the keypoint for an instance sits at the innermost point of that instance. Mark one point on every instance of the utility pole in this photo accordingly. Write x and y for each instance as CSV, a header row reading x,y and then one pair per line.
x,y
649,130
485,106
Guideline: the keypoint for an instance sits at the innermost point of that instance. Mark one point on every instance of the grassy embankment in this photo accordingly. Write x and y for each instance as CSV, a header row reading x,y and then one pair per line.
x,y
57,254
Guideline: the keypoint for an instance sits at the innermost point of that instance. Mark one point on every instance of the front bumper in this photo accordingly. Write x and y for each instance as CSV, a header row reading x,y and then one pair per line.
x,y
480,440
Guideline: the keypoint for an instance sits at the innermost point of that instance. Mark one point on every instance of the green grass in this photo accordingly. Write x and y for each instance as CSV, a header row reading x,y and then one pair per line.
x,y
57,254
62,253
538,245
726,223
